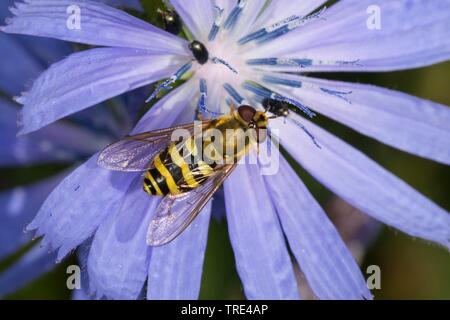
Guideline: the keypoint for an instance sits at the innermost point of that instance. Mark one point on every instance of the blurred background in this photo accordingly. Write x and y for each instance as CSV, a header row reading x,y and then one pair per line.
x,y
410,268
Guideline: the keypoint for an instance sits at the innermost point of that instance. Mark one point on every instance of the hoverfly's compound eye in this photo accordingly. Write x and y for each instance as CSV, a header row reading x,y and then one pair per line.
x,y
199,51
247,113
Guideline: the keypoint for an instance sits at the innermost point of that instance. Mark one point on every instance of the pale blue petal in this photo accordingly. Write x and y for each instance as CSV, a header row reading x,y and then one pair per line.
x,y
197,15
282,9
59,142
328,265
119,256
81,295
175,270
247,18
412,34
99,25
111,273
405,122
363,183
78,205
132,4
66,88
169,109
262,258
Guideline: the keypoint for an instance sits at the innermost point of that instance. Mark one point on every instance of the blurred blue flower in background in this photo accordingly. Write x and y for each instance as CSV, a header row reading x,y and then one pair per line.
x,y
249,45
66,142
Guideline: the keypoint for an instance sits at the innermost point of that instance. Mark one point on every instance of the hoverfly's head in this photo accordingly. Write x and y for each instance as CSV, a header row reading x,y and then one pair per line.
x,y
252,118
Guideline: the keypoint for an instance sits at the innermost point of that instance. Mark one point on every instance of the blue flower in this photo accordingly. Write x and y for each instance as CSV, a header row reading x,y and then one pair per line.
x,y
251,53
65,142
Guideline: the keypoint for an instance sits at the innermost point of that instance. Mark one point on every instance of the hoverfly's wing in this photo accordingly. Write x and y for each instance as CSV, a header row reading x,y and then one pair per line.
x,y
175,213
134,153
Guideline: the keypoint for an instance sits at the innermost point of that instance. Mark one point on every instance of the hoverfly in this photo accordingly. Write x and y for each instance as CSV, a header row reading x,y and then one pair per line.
x,y
185,185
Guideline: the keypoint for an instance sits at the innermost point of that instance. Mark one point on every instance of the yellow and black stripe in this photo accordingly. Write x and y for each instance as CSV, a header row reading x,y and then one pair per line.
x,y
172,174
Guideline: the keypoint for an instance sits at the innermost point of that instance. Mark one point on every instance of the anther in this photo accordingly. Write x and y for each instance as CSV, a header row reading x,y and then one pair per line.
x,y
302,63
202,104
280,28
217,23
234,15
234,94
167,84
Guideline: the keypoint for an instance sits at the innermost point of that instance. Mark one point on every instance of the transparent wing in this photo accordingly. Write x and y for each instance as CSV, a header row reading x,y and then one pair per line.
x,y
134,153
175,213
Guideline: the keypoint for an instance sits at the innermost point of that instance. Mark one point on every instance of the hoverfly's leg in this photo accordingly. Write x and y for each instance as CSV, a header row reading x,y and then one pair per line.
x,y
232,107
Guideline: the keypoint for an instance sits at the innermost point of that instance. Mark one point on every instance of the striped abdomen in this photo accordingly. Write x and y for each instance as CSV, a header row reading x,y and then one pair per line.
x,y
173,174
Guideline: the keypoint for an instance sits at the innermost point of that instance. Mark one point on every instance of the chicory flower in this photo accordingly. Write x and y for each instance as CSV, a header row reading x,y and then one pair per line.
x,y
244,51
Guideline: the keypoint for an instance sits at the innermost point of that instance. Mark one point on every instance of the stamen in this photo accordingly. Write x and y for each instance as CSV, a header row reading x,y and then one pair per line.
x,y
266,93
234,94
264,31
203,95
299,84
166,85
284,82
269,141
226,64
202,104
303,63
309,134
280,28
217,23
339,94
234,15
